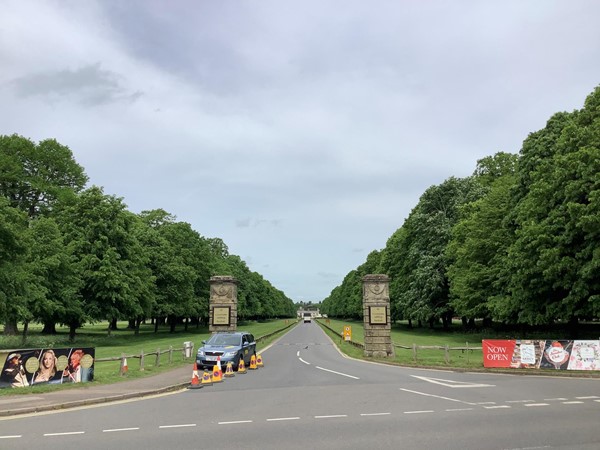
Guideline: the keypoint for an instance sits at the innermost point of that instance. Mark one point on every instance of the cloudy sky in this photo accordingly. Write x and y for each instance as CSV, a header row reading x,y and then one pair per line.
x,y
302,133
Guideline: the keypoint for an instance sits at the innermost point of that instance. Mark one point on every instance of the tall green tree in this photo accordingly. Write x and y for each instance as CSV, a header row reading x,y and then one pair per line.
x,y
34,176
116,281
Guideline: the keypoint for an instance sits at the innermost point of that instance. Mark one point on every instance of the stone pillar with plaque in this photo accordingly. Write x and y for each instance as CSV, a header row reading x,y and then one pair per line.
x,y
376,316
223,304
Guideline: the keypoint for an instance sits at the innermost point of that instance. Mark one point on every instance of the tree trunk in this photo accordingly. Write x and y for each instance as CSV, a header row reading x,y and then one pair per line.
x,y
49,328
137,326
187,321
131,324
113,324
410,323
172,323
72,328
25,328
155,325
11,328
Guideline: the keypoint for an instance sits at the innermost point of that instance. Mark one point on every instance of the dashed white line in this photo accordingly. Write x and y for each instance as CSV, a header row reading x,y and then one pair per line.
x,y
536,404
69,433
555,399
233,422
113,430
589,397
574,402
520,401
14,436
485,403
283,418
498,407
459,409
183,425
376,414
338,373
307,363
331,416
419,412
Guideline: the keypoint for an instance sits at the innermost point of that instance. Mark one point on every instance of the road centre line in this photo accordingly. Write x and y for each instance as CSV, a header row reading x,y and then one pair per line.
x,y
69,433
331,417
520,401
338,373
498,407
537,404
438,396
283,418
459,409
419,412
113,430
589,397
555,399
376,414
574,402
14,436
233,422
178,426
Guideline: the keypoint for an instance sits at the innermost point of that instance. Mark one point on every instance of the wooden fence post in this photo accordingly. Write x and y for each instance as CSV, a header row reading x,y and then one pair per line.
x,y
157,357
446,354
142,359
170,354
415,352
467,353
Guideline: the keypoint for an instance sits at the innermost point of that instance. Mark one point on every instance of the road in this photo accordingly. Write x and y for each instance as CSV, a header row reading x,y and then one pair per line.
x,y
309,396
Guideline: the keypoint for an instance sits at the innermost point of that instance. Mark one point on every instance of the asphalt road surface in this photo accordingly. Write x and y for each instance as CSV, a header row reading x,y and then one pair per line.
x,y
309,396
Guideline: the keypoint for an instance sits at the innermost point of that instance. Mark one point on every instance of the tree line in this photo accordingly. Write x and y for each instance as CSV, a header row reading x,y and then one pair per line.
x,y
71,254
516,243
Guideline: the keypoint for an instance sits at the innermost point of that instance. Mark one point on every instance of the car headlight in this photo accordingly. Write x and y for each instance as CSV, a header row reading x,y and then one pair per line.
x,y
200,352
229,354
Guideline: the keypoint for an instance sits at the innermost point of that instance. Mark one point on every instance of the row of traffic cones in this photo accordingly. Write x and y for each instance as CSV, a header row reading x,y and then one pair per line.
x,y
217,372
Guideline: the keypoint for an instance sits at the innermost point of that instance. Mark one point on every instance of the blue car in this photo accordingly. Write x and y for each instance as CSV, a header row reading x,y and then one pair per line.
x,y
230,346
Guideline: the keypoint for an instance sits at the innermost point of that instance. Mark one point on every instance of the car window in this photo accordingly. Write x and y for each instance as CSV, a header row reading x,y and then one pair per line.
x,y
227,339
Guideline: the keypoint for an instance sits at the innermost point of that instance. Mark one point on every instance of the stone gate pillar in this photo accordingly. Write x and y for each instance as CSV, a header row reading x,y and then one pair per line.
x,y
376,316
223,304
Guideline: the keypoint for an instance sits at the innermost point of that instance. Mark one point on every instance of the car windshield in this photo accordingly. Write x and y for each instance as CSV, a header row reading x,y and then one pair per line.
x,y
224,339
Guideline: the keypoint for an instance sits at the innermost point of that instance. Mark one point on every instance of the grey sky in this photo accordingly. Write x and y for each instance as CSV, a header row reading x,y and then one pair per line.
x,y
301,133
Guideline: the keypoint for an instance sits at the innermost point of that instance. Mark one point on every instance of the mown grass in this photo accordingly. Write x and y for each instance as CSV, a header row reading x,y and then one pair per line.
x,y
404,336
124,341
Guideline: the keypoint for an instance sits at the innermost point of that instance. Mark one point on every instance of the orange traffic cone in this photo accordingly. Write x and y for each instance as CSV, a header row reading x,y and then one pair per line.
x,y
195,383
124,368
229,370
217,374
253,363
206,378
241,367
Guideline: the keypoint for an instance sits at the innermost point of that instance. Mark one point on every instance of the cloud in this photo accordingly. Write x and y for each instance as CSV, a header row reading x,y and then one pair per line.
x,y
89,85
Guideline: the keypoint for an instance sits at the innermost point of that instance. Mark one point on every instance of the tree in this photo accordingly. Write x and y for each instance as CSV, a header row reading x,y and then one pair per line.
x,y
116,282
33,177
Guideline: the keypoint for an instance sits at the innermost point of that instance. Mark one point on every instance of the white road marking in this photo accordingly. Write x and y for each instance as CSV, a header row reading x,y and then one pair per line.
x,y
183,425
376,414
307,363
520,401
65,434
589,397
120,429
437,396
419,412
555,399
331,417
485,403
575,402
459,409
14,436
536,404
298,353
497,407
597,401
233,422
452,383
338,373
283,418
